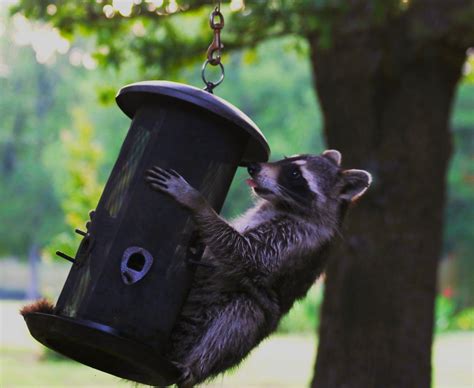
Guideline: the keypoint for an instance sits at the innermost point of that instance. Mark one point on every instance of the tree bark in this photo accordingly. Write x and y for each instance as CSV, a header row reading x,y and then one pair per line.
x,y
386,100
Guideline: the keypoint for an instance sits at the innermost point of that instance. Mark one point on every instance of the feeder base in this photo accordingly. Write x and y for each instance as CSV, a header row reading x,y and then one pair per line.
x,y
100,347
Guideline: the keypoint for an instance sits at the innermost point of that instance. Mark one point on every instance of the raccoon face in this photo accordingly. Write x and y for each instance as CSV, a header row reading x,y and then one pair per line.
x,y
308,181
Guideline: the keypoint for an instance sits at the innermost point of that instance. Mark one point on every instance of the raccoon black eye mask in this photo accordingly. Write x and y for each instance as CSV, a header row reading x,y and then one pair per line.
x,y
261,262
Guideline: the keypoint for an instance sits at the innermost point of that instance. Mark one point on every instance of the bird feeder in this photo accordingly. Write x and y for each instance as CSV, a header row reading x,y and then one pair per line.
x,y
134,267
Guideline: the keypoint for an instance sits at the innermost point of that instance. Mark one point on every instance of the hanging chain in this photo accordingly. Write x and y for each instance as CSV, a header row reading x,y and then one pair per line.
x,y
214,51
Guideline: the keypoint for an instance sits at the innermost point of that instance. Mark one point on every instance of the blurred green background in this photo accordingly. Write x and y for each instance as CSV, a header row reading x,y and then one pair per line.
x,y
60,133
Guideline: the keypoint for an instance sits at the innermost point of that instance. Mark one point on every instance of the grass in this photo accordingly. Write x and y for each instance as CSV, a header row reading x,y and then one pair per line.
x,y
282,361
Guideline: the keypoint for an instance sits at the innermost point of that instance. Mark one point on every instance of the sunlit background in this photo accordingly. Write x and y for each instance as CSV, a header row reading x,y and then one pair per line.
x,y
60,133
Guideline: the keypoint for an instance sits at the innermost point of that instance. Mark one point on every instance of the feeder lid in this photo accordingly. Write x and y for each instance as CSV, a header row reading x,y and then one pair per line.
x,y
133,96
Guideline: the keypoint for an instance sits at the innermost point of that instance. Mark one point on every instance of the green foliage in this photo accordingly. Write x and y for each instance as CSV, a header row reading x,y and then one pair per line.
x,y
29,210
459,229
81,157
469,67
164,37
34,105
444,313
447,319
464,320
462,117
80,189
28,106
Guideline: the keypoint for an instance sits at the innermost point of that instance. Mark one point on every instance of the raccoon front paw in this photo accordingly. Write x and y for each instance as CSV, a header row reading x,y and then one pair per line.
x,y
171,183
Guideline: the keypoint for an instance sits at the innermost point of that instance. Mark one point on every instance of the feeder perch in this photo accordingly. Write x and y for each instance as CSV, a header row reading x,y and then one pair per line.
x,y
134,266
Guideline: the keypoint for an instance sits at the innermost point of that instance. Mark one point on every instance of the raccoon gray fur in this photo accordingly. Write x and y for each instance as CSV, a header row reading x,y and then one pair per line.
x,y
261,263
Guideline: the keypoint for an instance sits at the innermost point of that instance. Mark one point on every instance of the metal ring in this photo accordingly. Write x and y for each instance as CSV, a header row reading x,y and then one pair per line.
x,y
209,84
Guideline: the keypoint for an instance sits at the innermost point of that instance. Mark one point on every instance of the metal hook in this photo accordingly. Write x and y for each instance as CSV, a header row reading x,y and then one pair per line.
x,y
210,85
216,22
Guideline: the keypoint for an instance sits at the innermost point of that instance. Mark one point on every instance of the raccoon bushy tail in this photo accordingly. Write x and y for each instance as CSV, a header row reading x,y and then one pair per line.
x,y
39,306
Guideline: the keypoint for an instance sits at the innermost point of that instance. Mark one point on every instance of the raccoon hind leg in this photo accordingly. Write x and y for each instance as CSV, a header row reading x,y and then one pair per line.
x,y
230,336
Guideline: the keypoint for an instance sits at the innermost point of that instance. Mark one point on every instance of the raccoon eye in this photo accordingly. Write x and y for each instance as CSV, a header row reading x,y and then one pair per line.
x,y
295,174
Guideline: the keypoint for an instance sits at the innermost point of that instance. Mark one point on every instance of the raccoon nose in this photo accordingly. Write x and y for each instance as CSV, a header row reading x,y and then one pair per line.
x,y
253,168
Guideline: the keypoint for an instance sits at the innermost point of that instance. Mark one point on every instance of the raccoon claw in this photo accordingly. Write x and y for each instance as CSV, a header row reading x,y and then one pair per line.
x,y
169,182
173,172
159,179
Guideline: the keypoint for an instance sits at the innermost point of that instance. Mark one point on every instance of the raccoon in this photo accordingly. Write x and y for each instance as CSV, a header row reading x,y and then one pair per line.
x,y
256,267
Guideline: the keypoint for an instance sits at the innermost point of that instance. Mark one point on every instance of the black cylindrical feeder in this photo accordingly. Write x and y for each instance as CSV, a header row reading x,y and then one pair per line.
x,y
134,266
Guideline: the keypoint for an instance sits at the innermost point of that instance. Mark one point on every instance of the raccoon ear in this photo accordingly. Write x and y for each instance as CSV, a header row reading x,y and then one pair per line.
x,y
356,182
333,155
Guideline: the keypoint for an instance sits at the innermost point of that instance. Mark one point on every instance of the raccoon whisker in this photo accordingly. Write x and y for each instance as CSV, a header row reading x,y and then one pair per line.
x,y
284,190
289,192
301,205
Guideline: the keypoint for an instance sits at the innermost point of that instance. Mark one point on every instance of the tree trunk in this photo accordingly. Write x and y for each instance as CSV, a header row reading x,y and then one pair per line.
x,y
386,101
